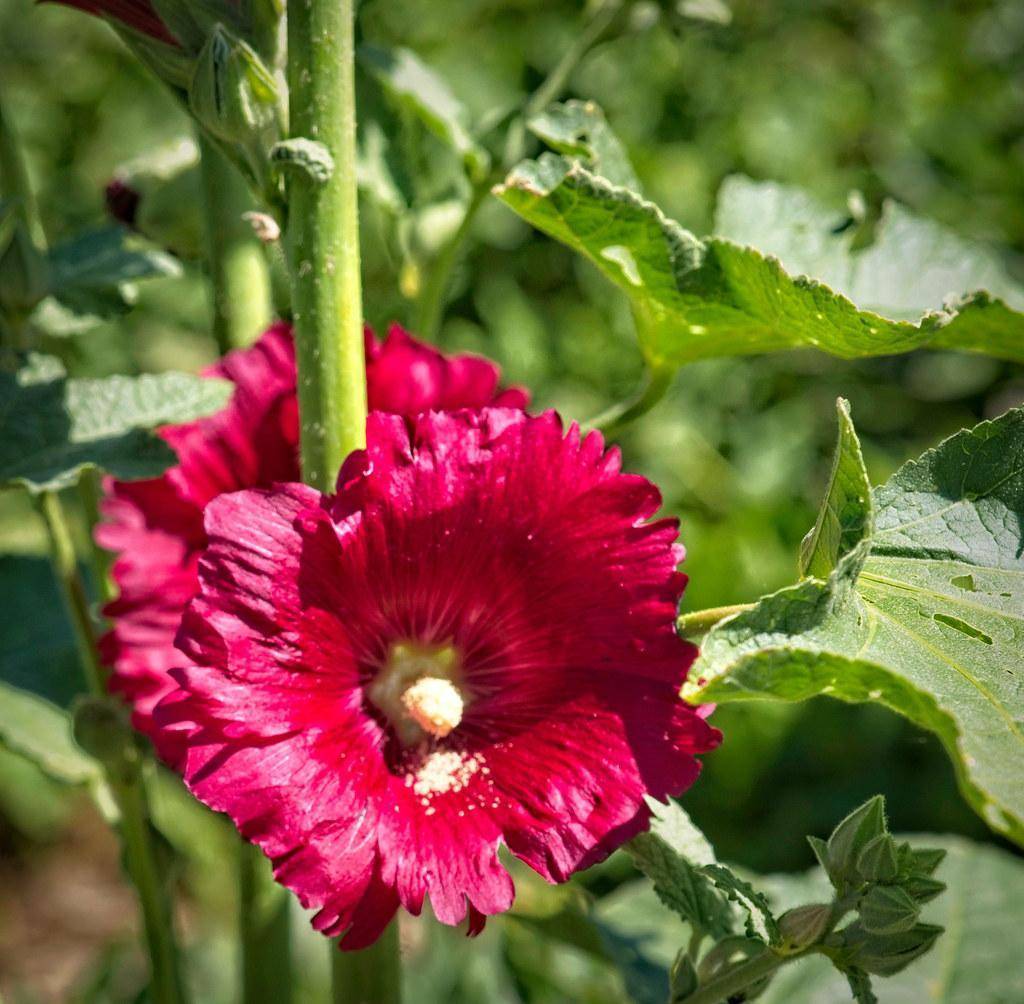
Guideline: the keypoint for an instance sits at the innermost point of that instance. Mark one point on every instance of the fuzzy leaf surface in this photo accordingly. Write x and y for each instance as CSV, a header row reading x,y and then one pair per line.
x,y
924,615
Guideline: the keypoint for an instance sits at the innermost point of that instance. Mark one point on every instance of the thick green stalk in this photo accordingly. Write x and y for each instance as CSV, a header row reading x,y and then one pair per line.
x,y
239,285
127,785
371,976
264,929
323,238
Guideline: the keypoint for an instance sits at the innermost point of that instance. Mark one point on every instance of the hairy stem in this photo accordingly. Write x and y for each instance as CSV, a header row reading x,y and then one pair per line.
x,y
371,976
323,236
655,384
264,929
89,493
239,288
700,622
431,301
721,988
127,787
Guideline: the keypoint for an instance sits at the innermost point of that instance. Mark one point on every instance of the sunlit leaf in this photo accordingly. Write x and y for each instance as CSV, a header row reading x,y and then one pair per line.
x,y
924,615
52,427
698,298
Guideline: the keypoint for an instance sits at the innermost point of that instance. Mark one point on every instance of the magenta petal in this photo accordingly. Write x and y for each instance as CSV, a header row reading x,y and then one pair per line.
x,y
523,552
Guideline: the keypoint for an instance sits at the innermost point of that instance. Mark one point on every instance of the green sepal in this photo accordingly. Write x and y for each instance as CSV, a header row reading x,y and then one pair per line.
x,y
682,977
850,838
888,909
878,861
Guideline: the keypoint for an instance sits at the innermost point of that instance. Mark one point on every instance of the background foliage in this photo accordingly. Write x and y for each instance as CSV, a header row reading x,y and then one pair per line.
x,y
918,100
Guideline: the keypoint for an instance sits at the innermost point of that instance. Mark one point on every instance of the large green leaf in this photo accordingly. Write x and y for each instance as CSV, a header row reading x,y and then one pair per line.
x,y
977,959
845,515
695,299
925,615
52,427
92,273
413,85
579,129
32,726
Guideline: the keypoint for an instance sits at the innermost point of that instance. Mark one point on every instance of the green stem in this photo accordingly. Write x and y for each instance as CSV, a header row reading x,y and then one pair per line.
x,y
89,494
558,78
432,299
66,572
127,787
721,988
700,622
371,976
239,284
655,385
166,986
265,931
323,236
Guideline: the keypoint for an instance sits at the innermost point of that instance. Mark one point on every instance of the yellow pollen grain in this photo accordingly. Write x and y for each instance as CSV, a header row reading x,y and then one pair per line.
x,y
434,704
443,772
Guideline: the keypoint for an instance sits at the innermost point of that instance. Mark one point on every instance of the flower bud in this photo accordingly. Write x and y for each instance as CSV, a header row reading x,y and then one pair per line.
x,y
102,729
233,95
24,273
850,838
888,909
877,861
803,926
881,954
682,978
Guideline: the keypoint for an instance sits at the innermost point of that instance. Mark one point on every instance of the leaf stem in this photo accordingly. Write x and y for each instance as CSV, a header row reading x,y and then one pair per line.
x,y
89,493
323,236
431,301
700,622
655,384
555,82
721,988
239,287
69,579
369,976
128,788
264,929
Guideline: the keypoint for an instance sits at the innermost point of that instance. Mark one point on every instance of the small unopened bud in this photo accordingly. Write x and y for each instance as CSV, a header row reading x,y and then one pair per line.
x,y
264,226
682,978
24,273
233,94
804,926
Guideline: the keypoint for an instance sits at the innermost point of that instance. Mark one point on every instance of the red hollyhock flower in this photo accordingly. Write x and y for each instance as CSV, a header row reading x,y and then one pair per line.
x,y
156,526
140,15
471,644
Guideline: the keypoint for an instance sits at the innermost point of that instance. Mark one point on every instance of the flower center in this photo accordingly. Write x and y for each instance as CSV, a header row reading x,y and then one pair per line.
x,y
417,689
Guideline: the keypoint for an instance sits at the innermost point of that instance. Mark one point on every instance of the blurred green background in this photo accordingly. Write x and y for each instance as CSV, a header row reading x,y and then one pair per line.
x,y
921,100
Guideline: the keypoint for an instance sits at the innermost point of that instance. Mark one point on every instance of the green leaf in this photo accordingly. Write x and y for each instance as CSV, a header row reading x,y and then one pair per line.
x,y
413,85
579,129
912,265
673,855
977,959
761,921
696,299
52,427
35,728
104,259
845,516
888,909
925,615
